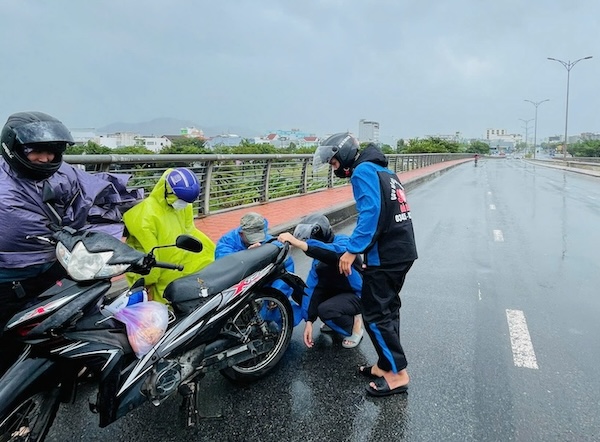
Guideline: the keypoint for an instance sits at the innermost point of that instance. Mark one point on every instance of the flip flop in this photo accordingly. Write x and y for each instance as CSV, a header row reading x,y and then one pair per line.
x,y
383,389
366,371
353,340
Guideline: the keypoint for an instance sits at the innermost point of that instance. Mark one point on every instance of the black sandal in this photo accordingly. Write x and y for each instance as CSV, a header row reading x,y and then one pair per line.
x,y
365,370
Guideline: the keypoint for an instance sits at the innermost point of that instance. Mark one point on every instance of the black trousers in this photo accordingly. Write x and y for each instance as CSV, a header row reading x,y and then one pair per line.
x,y
341,310
381,312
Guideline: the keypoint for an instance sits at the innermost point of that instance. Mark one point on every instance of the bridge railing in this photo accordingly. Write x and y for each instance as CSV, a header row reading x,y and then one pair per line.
x,y
234,181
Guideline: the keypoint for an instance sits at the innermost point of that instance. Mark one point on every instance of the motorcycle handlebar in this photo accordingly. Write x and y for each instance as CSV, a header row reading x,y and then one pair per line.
x,y
166,265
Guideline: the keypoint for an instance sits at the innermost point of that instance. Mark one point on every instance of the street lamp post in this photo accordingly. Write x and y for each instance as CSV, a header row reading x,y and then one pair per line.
x,y
568,66
526,130
536,104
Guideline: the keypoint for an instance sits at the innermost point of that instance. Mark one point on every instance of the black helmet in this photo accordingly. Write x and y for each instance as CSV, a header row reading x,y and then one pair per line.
x,y
314,227
26,131
343,147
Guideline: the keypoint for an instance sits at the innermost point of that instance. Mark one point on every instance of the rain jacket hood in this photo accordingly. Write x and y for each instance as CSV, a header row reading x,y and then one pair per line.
x,y
155,222
372,154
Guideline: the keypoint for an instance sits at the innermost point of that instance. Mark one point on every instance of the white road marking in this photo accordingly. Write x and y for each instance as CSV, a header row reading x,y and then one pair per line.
x,y
520,341
498,236
492,207
479,291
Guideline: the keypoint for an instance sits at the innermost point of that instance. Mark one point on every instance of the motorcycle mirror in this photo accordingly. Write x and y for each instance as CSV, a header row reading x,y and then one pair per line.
x,y
189,243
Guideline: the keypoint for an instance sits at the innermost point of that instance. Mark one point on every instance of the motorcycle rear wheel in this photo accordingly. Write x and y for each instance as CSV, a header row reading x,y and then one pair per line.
x,y
30,417
277,306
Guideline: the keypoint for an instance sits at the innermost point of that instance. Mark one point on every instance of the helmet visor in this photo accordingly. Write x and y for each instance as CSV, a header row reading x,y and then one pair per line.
x,y
323,156
42,132
303,231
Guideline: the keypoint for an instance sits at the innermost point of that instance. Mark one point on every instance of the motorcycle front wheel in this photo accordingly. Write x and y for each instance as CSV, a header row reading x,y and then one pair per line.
x,y
30,417
276,316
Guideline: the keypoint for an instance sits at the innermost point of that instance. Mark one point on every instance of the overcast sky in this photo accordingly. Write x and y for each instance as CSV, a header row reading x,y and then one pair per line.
x,y
419,68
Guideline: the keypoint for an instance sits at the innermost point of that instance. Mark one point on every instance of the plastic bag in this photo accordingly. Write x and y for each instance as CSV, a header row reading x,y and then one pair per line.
x,y
125,299
146,323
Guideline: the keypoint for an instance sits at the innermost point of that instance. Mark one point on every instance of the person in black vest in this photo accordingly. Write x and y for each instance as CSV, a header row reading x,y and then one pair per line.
x,y
384,236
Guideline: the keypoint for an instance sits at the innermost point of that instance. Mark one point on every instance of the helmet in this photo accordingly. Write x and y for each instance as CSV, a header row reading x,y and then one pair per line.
x,y
314,227
184,184
343,147
34,131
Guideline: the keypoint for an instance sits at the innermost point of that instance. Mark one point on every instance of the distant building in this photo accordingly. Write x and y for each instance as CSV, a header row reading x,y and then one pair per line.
x,y
500,135
130,139
192,132
226,140
447,137
284,138
82,136
119,139
155,144
589,136
368,131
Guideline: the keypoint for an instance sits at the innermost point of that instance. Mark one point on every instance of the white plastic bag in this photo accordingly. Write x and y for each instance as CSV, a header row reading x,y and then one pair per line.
x,y
146,323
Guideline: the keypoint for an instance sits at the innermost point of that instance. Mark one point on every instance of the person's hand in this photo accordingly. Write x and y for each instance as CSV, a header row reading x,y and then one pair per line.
x,y
346,261
295,242
308,331
252,246
286,237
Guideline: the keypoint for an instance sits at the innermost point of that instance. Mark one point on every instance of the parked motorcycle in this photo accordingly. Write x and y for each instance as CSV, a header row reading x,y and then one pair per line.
x,y
224,318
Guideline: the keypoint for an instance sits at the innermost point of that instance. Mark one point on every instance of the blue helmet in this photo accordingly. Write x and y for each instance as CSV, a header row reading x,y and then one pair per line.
x,y
184,184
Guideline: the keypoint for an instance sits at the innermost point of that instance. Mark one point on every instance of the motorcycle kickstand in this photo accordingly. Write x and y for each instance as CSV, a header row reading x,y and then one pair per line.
x,y
189,404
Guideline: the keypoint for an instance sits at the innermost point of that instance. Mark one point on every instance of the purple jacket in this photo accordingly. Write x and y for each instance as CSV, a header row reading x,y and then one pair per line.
x,y
84,201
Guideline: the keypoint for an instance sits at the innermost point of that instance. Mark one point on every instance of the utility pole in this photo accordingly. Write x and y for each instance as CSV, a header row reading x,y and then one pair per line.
x,y
536,104
568,66
526,130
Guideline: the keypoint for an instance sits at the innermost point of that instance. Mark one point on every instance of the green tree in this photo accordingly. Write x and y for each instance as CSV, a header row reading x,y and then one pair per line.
x,y
587,148
184,145
431,145
400,145
480,147
132,150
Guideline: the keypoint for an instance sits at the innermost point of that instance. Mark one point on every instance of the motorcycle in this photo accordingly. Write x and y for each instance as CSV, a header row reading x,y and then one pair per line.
x,y
224,318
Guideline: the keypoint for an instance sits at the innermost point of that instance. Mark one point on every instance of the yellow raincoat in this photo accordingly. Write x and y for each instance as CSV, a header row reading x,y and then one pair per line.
x,y
154,222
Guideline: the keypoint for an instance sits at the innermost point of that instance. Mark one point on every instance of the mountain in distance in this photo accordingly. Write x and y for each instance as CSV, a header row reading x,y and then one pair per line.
x,y
173,126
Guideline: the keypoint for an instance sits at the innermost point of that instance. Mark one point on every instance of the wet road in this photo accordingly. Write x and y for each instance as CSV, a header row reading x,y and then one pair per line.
x,y
499,323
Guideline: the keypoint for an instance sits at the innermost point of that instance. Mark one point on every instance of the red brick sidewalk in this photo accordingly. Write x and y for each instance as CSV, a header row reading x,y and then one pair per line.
x,y
288,210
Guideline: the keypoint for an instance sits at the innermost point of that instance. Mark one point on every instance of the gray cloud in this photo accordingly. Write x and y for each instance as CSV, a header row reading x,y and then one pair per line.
x,y
419,68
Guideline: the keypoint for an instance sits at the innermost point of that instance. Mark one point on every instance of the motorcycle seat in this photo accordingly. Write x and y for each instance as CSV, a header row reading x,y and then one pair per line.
x,y
220,275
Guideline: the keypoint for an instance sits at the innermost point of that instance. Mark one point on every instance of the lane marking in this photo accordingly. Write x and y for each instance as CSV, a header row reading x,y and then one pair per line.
x,y
498,236
520,341
479,290
492,207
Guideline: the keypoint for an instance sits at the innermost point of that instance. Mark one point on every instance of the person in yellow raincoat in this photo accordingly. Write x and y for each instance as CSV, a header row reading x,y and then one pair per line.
x,y
158,220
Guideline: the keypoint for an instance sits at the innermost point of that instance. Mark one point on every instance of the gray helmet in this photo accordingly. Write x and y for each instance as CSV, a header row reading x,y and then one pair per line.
x,y
343,147
34,131
314,227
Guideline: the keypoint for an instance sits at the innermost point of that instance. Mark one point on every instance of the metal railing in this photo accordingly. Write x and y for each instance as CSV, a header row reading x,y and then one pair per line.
x,y
234,181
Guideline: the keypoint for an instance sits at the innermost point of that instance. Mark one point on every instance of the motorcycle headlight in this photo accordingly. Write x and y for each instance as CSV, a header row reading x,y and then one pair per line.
x,y
83,265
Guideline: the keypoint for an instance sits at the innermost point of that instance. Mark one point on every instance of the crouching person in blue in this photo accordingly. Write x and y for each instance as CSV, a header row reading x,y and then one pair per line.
x,y
330,296
253,232
33,144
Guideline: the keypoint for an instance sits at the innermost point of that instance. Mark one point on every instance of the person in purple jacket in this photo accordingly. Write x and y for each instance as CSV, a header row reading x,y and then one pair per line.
x,y
384,236
33,144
